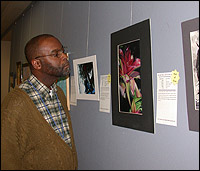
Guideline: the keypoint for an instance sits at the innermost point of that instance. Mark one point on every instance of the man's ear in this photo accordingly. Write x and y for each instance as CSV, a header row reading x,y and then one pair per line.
x,y
36,64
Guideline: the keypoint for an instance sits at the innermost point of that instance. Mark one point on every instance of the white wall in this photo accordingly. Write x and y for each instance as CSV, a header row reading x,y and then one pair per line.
x,y
5,67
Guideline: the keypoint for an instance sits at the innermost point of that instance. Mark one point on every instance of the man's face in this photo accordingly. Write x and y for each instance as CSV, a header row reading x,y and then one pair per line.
x,y
54,66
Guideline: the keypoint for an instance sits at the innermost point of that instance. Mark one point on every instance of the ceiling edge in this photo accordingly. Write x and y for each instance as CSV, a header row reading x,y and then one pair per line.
x,y
10,27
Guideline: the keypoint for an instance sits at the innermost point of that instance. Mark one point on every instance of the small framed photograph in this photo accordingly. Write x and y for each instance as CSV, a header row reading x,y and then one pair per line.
x,y
131,78
19,72
12,80
63,83
86,78
26,72
190,35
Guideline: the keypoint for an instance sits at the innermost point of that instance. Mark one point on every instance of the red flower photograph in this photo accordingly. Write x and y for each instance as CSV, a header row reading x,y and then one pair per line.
x,y
130,100
131,77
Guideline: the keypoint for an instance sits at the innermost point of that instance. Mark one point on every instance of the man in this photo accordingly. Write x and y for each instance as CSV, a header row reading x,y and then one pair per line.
x,y
36,130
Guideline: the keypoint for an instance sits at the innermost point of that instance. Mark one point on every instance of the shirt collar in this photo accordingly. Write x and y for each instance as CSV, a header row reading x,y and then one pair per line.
x,y
42,89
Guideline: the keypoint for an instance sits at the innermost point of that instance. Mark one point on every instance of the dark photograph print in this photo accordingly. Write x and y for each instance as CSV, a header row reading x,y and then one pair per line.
x,y
129,80
86,78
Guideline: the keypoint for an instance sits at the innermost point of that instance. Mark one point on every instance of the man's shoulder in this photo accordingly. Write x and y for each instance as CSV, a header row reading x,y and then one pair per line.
x,y
15,97
24,85
15,103
16,92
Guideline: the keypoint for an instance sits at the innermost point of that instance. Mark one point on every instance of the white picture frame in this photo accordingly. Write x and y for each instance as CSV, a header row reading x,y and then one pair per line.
x,y
86,78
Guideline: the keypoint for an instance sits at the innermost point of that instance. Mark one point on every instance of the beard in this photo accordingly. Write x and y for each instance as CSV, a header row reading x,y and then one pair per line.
x,y
61,71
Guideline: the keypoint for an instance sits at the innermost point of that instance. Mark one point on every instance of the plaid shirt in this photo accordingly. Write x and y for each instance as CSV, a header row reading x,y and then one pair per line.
x,y
50,102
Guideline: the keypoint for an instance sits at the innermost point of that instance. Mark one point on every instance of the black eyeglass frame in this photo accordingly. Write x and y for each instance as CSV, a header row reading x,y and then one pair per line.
x,y
61,51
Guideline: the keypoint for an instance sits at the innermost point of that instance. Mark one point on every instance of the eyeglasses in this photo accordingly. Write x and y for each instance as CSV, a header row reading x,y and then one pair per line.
x,y
56,53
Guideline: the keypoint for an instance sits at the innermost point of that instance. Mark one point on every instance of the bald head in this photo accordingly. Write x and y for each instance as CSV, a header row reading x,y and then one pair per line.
x,y
32,47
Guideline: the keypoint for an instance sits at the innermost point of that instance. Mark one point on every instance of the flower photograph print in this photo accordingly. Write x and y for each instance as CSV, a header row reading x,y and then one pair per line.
x,y
131,77
130,96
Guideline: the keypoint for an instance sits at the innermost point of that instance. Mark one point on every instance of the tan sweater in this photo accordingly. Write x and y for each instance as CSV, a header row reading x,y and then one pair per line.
x,y
28,141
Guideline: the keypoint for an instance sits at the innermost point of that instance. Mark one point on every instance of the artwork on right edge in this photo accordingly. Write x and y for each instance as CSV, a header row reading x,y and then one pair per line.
x,y
190,35
131,78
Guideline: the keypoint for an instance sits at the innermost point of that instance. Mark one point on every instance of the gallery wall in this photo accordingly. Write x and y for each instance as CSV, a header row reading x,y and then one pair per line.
x,y
85,27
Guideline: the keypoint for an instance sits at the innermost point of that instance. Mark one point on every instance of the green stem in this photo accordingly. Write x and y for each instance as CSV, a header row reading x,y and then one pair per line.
x,y
127,92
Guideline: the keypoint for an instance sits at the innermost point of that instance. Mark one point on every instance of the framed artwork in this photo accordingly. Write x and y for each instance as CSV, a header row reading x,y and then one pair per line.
x,y
26,72
190,35
12,81
86,78
131,78
19,72
63,83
